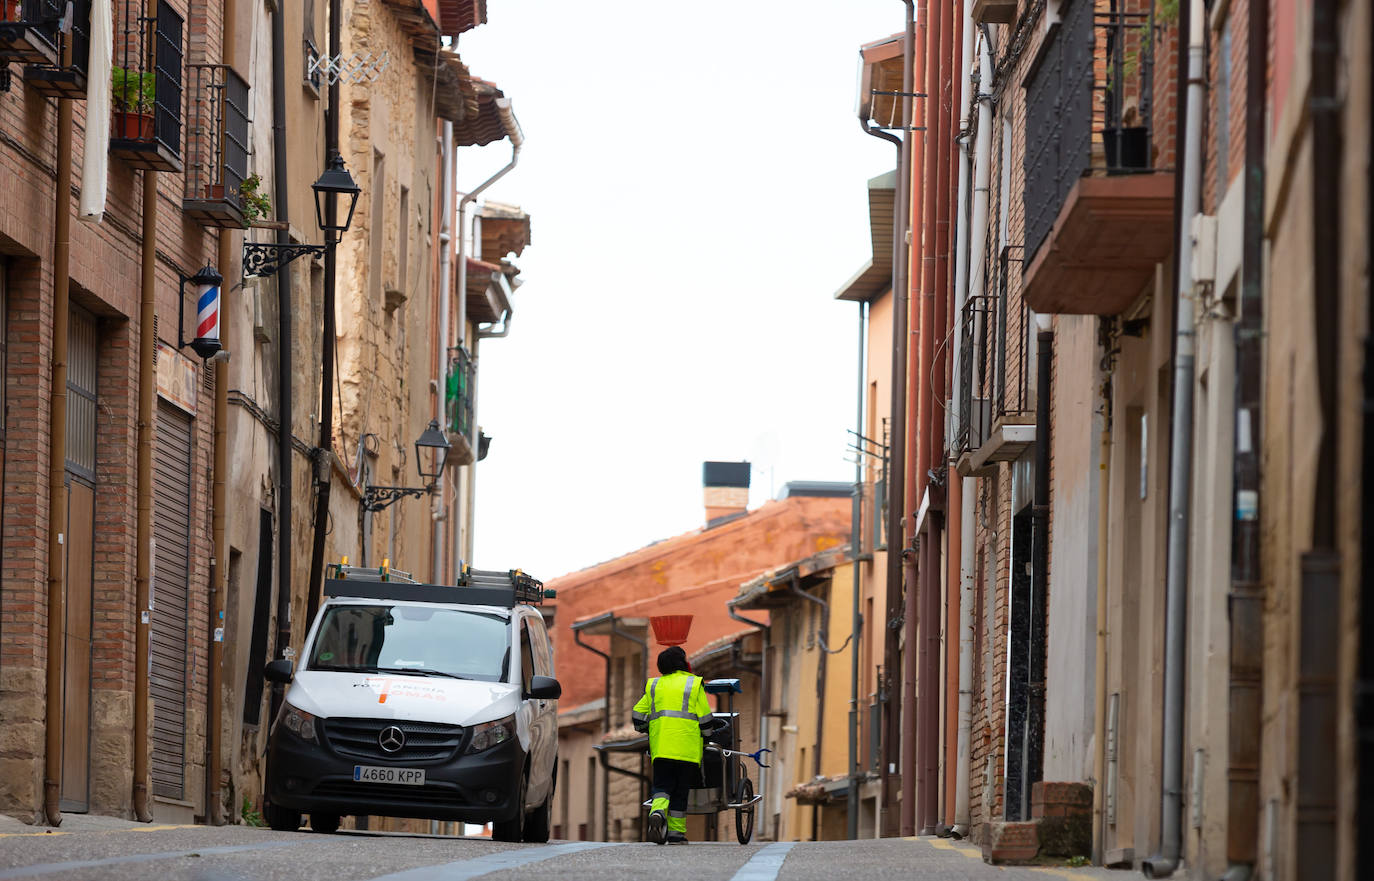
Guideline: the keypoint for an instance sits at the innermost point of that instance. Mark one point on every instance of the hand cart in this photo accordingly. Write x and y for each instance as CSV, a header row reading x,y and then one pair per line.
x,y
725,779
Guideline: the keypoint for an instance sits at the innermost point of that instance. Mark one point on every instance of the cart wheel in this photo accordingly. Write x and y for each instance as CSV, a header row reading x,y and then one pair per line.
x,y
744,817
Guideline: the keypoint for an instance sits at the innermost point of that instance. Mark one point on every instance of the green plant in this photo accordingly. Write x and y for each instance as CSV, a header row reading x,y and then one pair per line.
x,y
255,203
250,816
134,92
1076,861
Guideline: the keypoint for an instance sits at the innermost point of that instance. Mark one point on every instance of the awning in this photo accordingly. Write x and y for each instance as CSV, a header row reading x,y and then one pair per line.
x,y
876,275
455,96
881,72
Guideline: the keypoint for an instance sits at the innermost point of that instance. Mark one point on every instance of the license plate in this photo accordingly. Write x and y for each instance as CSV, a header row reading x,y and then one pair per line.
x,y
403,776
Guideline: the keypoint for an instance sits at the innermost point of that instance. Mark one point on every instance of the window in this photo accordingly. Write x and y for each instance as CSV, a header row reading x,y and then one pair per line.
x,y
310,47
527,671
416,640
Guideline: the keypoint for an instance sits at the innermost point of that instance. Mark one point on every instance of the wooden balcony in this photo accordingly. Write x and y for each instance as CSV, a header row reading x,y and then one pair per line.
x,y
1103,247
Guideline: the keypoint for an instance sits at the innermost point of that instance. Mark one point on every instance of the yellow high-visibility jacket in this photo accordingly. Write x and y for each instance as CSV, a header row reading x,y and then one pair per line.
x,y
675,710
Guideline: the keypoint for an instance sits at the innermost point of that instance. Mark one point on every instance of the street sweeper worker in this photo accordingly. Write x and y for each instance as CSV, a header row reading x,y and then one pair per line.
x,y
675,713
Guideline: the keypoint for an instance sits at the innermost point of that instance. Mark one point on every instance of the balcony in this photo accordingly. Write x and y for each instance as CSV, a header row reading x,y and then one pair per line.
x,y
1099,213
29,31
216,146
65,77
148,57
462,377
996,414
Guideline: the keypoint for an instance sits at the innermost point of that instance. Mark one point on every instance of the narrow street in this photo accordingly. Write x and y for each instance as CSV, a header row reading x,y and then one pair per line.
x,y
98,847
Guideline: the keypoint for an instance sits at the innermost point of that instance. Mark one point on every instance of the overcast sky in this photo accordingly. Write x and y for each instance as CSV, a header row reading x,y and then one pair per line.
x,y
696,178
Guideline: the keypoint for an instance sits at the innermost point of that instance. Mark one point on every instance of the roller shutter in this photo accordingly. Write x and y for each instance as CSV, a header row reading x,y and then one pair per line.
x,y
171,584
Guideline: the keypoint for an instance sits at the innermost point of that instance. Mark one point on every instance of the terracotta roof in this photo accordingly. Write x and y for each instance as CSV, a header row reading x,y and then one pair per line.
x,y
716,645
492,121
455,95
458,16
754,594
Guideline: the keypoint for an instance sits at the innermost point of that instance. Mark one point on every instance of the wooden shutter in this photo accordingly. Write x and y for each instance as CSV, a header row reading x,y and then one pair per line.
x,y
171,585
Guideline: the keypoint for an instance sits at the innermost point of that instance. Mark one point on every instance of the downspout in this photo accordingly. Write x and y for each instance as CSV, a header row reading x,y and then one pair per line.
x,y
1104,475
1034,761
856,584
978,223
147,392
901,612
57,500
440,507
918,622
941,650
1321,690
1247,590
960,489
605,727
1166,861
643,677
517,139
219,569
323,457
286,556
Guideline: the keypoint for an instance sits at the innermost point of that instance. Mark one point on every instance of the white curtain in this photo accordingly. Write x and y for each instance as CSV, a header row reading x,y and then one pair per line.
x,y
95,165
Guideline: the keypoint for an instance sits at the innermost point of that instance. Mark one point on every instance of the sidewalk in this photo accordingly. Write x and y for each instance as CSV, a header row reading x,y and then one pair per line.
x,y
72,823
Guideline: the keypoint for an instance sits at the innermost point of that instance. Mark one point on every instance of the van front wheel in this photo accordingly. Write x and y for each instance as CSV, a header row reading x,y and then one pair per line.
x,y
281,819
514,828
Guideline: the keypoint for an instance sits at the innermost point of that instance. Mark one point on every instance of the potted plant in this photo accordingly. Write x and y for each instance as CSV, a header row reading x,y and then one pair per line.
x,y
254,202
134,97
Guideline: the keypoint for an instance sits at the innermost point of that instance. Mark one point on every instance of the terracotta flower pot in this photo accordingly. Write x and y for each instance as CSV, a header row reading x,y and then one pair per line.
x,y
214,191
671,629
133,126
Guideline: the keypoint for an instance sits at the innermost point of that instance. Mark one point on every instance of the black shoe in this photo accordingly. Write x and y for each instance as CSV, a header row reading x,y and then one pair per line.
x,y
658,827
677,838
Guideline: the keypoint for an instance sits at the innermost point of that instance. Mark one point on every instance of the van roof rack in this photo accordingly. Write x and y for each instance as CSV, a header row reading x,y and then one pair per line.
x,y
476,587
383,572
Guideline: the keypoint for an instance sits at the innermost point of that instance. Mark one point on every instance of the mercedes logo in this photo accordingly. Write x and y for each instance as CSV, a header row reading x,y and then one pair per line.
x,y
392,739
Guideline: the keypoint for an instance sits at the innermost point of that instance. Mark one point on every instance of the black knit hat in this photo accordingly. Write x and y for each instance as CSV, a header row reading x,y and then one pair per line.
x,y
672,659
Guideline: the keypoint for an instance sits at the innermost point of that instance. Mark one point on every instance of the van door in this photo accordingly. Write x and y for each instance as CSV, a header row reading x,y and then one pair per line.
x,y
547,711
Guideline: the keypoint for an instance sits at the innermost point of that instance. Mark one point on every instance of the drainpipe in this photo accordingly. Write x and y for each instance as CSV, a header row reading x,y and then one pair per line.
x,y
1034,763
978,224
324,453
57,489
286,555
856,583
219,569
1104,475
915,745
1318,803
605,726
1247,590
147,391
440,507
1166,861
517,139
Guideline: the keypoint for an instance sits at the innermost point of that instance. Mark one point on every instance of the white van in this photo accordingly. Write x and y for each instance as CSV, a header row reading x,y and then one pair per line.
x,y
419,700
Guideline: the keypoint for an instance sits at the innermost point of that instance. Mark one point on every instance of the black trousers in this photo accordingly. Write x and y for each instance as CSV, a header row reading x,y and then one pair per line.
x,y
674,777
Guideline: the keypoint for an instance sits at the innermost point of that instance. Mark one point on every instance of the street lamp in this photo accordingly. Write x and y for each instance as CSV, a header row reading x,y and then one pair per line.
x,y
335,182
431,454
265,258
205,284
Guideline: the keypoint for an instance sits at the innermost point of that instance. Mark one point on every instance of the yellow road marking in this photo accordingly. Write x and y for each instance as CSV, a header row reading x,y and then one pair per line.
x,y
967,850
141,828
31,834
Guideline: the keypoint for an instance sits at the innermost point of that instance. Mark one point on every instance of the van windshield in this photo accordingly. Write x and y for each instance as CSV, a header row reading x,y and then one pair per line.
x,y
413,640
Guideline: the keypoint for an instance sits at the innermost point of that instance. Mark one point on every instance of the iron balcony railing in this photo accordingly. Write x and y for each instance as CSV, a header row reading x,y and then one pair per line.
x,y
1088,105
148,60
458,403
31,31
993,338
216,145
65,75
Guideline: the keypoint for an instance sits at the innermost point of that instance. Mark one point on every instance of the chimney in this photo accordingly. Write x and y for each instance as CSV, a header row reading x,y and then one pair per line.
x,y
726,489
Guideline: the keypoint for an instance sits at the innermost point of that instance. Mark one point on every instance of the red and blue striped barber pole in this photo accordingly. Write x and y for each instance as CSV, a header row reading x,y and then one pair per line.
x,y
206,287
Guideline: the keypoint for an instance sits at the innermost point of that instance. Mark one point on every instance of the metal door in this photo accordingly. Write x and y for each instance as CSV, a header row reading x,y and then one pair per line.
x,y
171,588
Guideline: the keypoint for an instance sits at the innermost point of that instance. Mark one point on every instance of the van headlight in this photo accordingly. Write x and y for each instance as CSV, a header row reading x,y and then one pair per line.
x,y
299,723
489,734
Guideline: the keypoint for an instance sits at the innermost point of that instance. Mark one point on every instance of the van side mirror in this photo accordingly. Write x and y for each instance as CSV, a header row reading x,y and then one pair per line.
x,y
278,671
544,688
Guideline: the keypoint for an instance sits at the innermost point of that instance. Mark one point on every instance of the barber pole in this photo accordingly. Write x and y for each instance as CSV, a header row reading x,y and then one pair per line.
x,y
206,287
